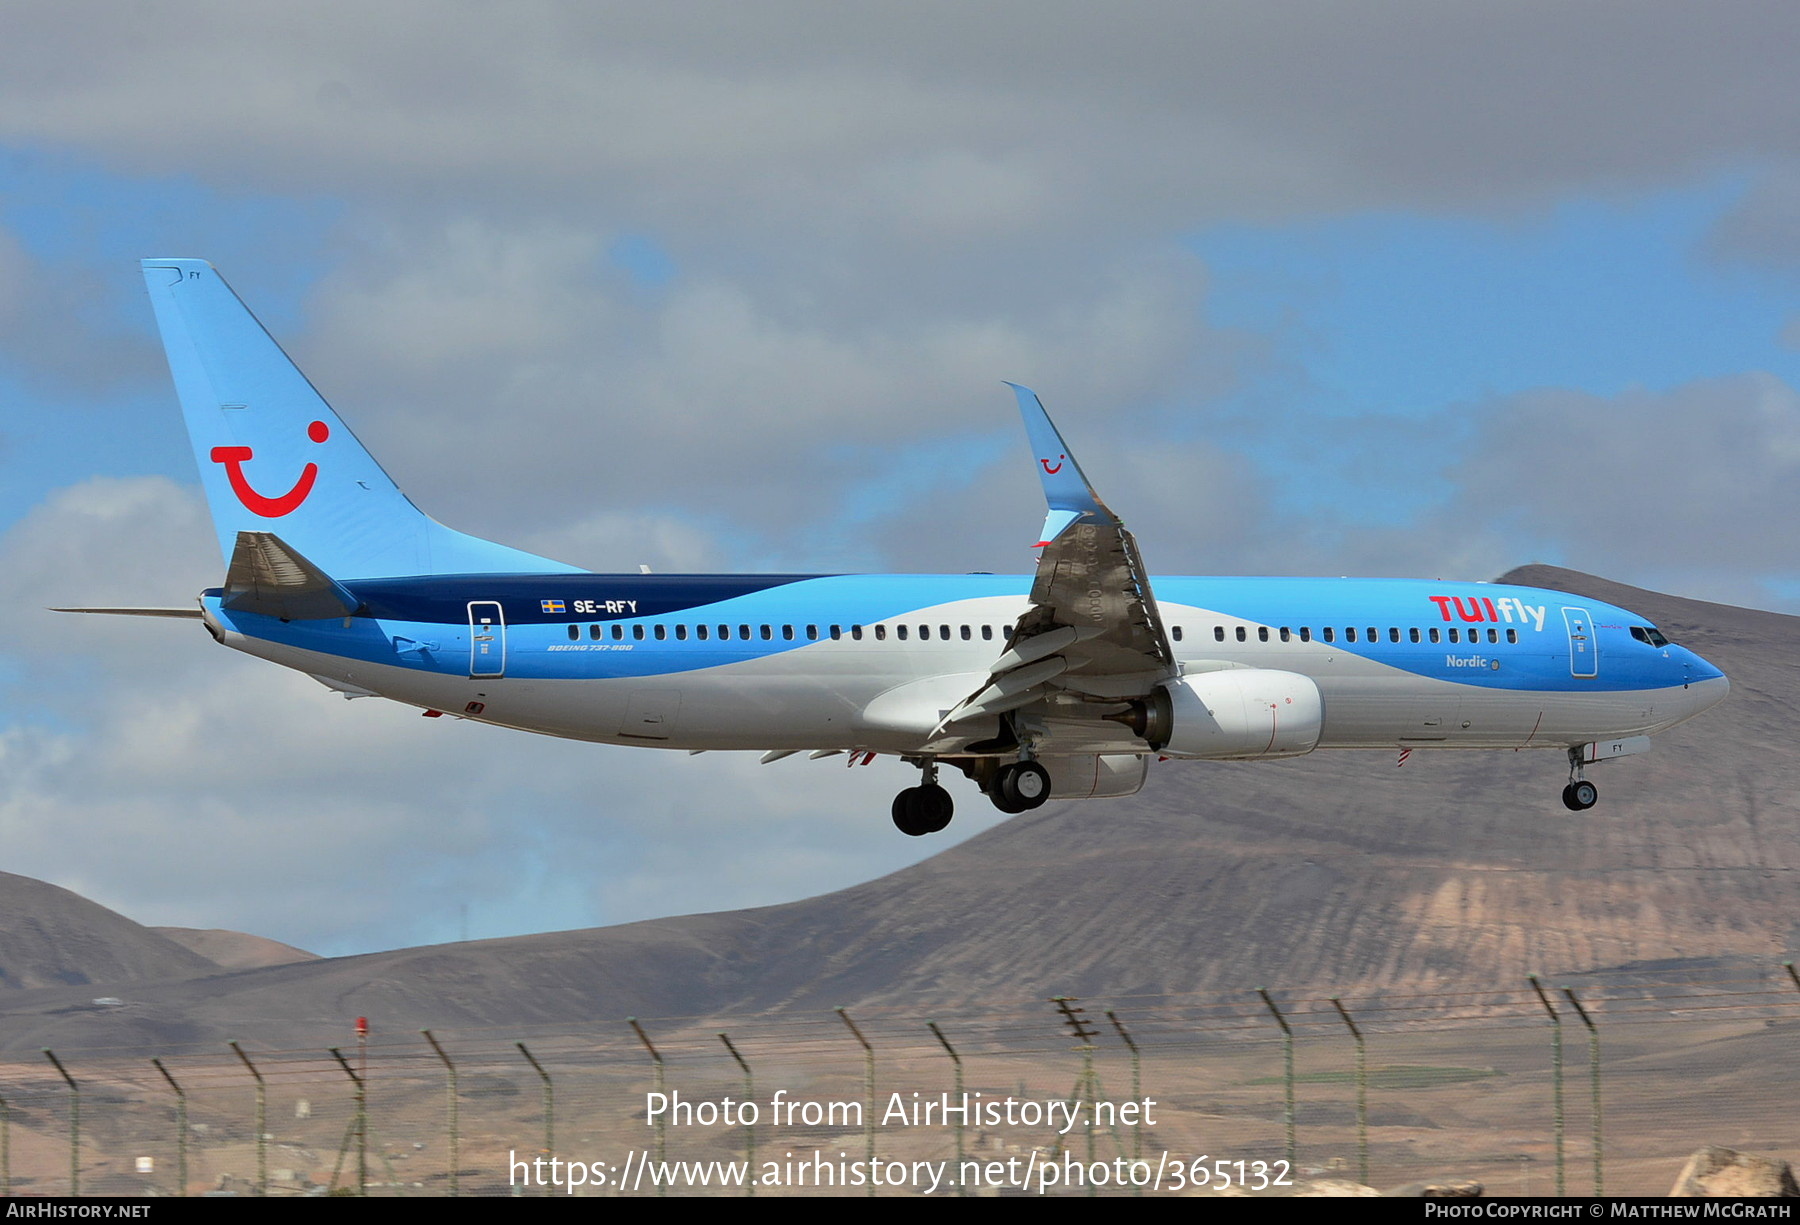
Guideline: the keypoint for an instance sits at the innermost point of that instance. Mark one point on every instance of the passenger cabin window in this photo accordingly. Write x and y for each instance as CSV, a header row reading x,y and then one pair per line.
x,y
1512,635
1284,633
1262,633
1326,633
900,632
637,632
1413,634
1306,633
1453,637
574,632
881,633
594,632
662,632
1350,634
767,633
700,632
1241,636
965,633
787,632
1393,633
1432,632
1218,633
987,633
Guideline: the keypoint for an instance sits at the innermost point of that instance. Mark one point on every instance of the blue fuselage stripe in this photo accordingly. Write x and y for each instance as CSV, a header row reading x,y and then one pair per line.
x,y
424,624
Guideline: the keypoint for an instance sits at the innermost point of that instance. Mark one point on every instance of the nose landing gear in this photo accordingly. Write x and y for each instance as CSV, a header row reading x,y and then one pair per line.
x,y
924,809
1580,795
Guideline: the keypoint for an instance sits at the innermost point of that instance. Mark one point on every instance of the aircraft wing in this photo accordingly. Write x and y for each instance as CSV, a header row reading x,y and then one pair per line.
x,y
1093,627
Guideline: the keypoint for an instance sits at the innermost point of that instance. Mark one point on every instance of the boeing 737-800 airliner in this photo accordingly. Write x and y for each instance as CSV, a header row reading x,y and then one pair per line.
x,y
1068,683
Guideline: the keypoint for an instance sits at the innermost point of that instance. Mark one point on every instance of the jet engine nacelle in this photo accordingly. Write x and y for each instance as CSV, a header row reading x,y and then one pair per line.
x,y
1236,713
1096,777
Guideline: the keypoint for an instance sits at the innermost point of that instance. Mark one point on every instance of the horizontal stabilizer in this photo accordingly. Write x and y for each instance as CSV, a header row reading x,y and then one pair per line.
x,y
190,613
270,578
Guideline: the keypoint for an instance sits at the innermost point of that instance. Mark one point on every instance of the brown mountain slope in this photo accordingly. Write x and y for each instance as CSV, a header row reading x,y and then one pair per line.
x,y
234,950
50,937
1337,869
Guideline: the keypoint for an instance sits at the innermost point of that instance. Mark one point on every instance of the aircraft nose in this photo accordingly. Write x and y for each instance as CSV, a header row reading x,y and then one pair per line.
x,y
1707,693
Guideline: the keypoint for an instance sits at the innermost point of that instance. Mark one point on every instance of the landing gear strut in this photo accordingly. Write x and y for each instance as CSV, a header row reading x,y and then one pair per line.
x,y
924,809
1020,787
1580,795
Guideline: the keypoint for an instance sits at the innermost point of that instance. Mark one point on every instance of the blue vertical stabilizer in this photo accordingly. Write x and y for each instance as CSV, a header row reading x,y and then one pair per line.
x,y
274,457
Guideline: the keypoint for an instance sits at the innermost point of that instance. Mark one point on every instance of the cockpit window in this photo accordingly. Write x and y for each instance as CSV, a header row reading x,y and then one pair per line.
x,y
1649,634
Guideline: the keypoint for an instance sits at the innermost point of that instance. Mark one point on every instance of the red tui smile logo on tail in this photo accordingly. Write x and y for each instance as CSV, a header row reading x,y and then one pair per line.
x,y
269,508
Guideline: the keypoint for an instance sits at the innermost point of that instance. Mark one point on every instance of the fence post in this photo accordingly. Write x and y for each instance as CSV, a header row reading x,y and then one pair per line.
x,y
262,1131
1594,1077
1086,1089
1136,1096
661,1123
1137,1090
749,1127
74,1125
868,1094
180,1129
455,1134
1362,1095
549,1106
957,1060
361,1125
1556,1077
1287,1047
5,1148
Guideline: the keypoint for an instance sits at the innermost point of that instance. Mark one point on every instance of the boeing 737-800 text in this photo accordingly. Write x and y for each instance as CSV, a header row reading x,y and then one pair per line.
x,y
1068,683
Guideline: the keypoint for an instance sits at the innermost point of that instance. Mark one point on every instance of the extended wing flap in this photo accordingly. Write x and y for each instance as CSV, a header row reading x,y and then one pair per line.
x,y
1091,603
269,577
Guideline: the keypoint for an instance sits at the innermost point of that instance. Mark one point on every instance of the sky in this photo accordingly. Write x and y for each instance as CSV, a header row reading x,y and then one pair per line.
x,y
1396,288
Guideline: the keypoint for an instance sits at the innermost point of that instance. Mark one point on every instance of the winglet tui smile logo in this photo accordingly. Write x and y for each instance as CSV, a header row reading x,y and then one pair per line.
x,y
269,508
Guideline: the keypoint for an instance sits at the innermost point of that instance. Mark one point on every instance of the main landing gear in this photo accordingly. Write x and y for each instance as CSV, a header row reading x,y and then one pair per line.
x,y
1020,787
1580,795
924,809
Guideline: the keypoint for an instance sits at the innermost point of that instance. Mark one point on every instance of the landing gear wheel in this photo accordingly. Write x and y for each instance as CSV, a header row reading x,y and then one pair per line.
x,y
923,810
909,814
1009,807
937,806
1581,795
1024,784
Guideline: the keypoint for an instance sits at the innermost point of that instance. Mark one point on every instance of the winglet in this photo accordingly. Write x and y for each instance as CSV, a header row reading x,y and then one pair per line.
x,y
1066,487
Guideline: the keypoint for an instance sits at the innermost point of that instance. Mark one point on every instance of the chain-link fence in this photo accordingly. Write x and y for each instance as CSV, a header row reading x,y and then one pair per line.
x,y
1533,1088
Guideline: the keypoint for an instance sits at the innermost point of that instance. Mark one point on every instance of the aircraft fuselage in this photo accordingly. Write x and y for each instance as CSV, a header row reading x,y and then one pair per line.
x,y
873,662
